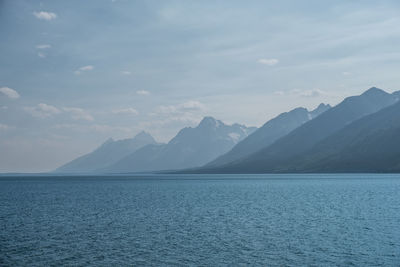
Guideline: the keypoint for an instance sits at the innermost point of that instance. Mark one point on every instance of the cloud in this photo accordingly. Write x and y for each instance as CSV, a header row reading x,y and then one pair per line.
x,y
4,127
192,105
130,111
11,93
178,121
302,93
43,46
183,108
309,93
346,73
45,111
42,110
183,114
268,61
279,93
84,68
125,72
45,15
78,114
102,128
142,92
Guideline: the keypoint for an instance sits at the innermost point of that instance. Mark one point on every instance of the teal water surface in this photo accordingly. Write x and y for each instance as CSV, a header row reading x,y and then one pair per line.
x,y
206,220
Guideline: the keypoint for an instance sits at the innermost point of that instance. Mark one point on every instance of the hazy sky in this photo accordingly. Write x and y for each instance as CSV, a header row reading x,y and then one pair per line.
x,y
74,73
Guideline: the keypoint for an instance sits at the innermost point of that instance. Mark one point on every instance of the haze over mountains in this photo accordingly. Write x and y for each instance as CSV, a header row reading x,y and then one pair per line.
x,y
370,144
269,133
360,134
108,153
191,147
281,155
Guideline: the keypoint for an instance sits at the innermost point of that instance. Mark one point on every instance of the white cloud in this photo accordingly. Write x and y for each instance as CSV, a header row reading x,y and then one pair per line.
x,y
179,121
125,72
183,108
79,114
11,93
4,127
130,111
346,73
43,46
179,115
268,61
309,93
102,128
48,108
41,55
45,15
84,68
142,92
192,105
165,110
302,93
42,110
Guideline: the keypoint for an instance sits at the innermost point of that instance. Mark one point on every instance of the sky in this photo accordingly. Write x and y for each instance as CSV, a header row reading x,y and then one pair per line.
x,y
75,73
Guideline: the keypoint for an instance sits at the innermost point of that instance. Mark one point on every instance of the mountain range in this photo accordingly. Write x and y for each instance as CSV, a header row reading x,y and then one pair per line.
x,y
360,134
271,131
108,153
370,144
283,154
191,147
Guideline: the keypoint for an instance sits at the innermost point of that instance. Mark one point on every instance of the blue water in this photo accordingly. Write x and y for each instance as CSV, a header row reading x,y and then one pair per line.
x,y
265,220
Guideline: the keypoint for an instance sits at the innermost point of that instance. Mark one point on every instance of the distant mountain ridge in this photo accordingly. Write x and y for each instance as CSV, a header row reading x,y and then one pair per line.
x,y
360,134
108,153
271,131
302,139
370,144
191,147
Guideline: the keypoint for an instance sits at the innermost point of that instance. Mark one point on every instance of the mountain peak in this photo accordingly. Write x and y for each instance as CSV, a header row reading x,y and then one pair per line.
x,y
374,91
323,105
299,109
320,109
143,135
209,122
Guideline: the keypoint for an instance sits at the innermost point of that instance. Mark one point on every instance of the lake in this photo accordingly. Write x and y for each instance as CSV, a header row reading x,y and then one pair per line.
x,y
212,220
